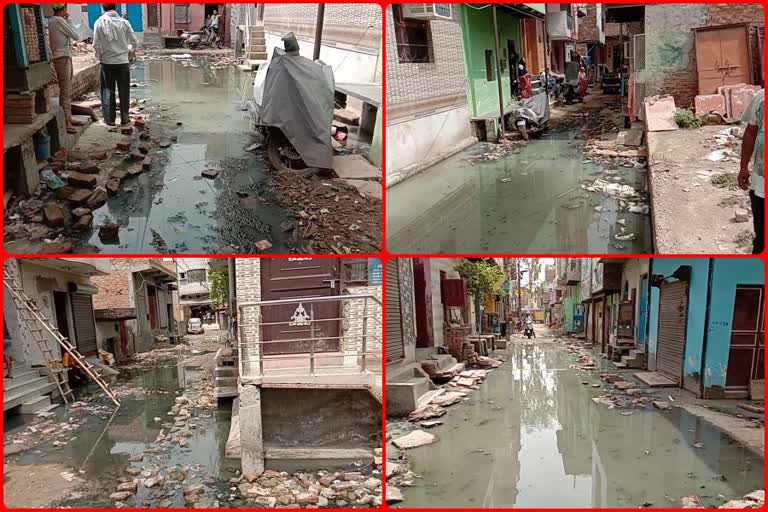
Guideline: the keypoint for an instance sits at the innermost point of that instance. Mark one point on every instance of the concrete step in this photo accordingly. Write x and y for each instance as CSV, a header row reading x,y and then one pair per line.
x,y
638,353
420,385
262,56
256,47
225,392
26,385
47,408
225,371
13,400
20,376
632,362
619,364
222,382
34,405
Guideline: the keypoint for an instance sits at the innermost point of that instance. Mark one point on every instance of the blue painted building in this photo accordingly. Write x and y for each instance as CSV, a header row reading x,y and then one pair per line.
x,y
705,323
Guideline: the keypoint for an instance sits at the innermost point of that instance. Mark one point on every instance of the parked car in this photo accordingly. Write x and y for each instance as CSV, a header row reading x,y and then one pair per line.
x,y
195,326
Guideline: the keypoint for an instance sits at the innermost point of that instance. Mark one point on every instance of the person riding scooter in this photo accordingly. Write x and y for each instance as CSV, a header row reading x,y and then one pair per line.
x,y
529,332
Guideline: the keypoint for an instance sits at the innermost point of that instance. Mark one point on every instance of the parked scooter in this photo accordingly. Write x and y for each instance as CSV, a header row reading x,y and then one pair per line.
x,y
292,108
531,115
206,36
528,333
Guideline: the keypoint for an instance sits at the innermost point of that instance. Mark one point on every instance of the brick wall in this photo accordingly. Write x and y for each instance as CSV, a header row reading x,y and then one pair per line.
x,y
113,290
445,77
588,32
670,48
350,24
248,289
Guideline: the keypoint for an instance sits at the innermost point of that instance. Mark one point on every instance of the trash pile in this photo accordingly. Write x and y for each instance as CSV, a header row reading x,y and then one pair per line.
x,y
212,58
330,216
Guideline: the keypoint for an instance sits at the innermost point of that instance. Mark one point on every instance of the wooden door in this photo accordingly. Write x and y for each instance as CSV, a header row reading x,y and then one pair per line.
x,y
673,317
745,357
303,324
722,57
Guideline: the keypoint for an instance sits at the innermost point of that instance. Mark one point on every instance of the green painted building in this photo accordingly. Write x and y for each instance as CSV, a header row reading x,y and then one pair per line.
x,y
480,55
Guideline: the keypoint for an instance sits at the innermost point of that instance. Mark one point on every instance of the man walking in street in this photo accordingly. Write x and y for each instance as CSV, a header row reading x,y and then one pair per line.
x,y
61,34
753,143
114,41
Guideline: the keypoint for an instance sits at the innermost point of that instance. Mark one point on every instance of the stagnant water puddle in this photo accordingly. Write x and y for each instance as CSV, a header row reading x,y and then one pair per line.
x,y
173,208
527,202
532,437
100,451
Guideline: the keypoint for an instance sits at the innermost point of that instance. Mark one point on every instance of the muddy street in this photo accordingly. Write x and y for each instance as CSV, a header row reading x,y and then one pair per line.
x,y
570,190
532,436
163,448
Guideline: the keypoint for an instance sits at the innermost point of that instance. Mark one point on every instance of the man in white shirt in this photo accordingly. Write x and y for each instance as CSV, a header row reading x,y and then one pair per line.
x,y
114,41
215,21
61,34
753,143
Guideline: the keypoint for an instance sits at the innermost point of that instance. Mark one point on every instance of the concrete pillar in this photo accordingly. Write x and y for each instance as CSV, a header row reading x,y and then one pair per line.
x,y
251,442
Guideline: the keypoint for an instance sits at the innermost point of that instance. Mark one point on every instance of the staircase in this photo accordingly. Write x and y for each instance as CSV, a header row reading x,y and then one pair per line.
x,y
29,390
226,374
635,359
37,324
256,50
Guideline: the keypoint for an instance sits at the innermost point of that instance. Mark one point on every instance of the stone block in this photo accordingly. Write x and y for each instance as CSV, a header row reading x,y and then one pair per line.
x,y
706,103
54,214
82,180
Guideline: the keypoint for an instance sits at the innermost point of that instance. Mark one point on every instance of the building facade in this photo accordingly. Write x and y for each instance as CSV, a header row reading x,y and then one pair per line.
x,y
134,305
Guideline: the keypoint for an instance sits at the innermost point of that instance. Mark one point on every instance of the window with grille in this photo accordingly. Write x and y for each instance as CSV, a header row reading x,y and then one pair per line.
x,y
413,37
181,13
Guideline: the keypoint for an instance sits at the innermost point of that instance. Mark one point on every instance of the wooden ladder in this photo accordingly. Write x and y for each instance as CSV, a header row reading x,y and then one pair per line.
x,y
38,324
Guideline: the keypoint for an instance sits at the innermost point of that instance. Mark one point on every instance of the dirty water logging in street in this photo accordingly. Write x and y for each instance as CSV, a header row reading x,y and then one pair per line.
x,y
174,208
531,436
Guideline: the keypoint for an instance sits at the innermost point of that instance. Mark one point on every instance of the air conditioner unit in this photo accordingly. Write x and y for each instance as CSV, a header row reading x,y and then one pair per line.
x,y
427,11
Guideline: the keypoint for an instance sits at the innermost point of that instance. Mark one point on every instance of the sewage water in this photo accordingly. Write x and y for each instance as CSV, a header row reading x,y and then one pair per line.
x,y
100,451
173,208
532,437
526,202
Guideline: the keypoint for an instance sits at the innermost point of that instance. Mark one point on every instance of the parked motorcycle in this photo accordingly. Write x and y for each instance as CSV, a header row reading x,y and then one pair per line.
x,y
206,36
531,115
570,92
528,331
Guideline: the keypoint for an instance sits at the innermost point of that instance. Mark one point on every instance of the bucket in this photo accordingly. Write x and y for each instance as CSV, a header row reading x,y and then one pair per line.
x,y
42,146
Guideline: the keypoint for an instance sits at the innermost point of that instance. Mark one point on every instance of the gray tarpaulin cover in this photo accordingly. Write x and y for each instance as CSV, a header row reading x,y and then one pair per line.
x,y
539,104
298,99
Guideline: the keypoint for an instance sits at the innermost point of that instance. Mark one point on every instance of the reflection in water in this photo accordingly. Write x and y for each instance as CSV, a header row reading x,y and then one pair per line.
x,y
532,437
530,202
172,207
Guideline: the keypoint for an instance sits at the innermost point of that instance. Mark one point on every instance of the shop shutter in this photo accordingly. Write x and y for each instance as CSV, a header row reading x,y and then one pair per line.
x,y
394,321
673,315
85,327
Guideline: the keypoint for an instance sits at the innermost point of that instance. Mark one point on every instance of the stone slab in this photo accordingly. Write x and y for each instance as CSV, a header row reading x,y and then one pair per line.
x,y
660,113
706,103
355,167
630,138
655,380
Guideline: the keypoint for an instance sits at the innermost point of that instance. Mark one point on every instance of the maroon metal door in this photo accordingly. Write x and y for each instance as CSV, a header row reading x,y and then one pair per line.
x,y
745,357
288,278
422,283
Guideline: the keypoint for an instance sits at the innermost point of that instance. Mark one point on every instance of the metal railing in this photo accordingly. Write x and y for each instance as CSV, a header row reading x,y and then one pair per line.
x,y
251,353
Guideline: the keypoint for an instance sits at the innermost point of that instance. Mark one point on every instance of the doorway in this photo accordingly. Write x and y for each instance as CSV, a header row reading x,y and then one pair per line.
x,y
514,58
60,309
746,353
219,8
152,299
422,286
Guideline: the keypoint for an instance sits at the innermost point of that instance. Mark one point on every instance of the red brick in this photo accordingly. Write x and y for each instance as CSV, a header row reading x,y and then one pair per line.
x,y
124,145
79,179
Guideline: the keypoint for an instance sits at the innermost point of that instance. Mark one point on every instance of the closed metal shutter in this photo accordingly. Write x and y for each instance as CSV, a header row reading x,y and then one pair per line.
x,y
85,326
673,315
394,321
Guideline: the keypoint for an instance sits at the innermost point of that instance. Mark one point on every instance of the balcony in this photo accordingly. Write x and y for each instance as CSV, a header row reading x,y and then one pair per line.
x,y
560,26
573,274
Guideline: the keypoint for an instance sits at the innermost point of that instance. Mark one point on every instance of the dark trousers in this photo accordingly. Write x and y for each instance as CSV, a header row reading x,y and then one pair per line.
x,y
758,217
115,75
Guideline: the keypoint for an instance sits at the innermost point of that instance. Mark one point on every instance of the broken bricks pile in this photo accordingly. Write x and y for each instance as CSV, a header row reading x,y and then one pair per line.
x,y
75,185
47,429
625,394
330,216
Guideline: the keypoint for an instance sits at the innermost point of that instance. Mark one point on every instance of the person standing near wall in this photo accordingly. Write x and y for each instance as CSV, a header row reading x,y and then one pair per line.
x,y
114,43
61,34
753,143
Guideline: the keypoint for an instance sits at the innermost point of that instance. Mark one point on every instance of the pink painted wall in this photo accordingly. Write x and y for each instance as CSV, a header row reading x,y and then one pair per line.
x,y
168,27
